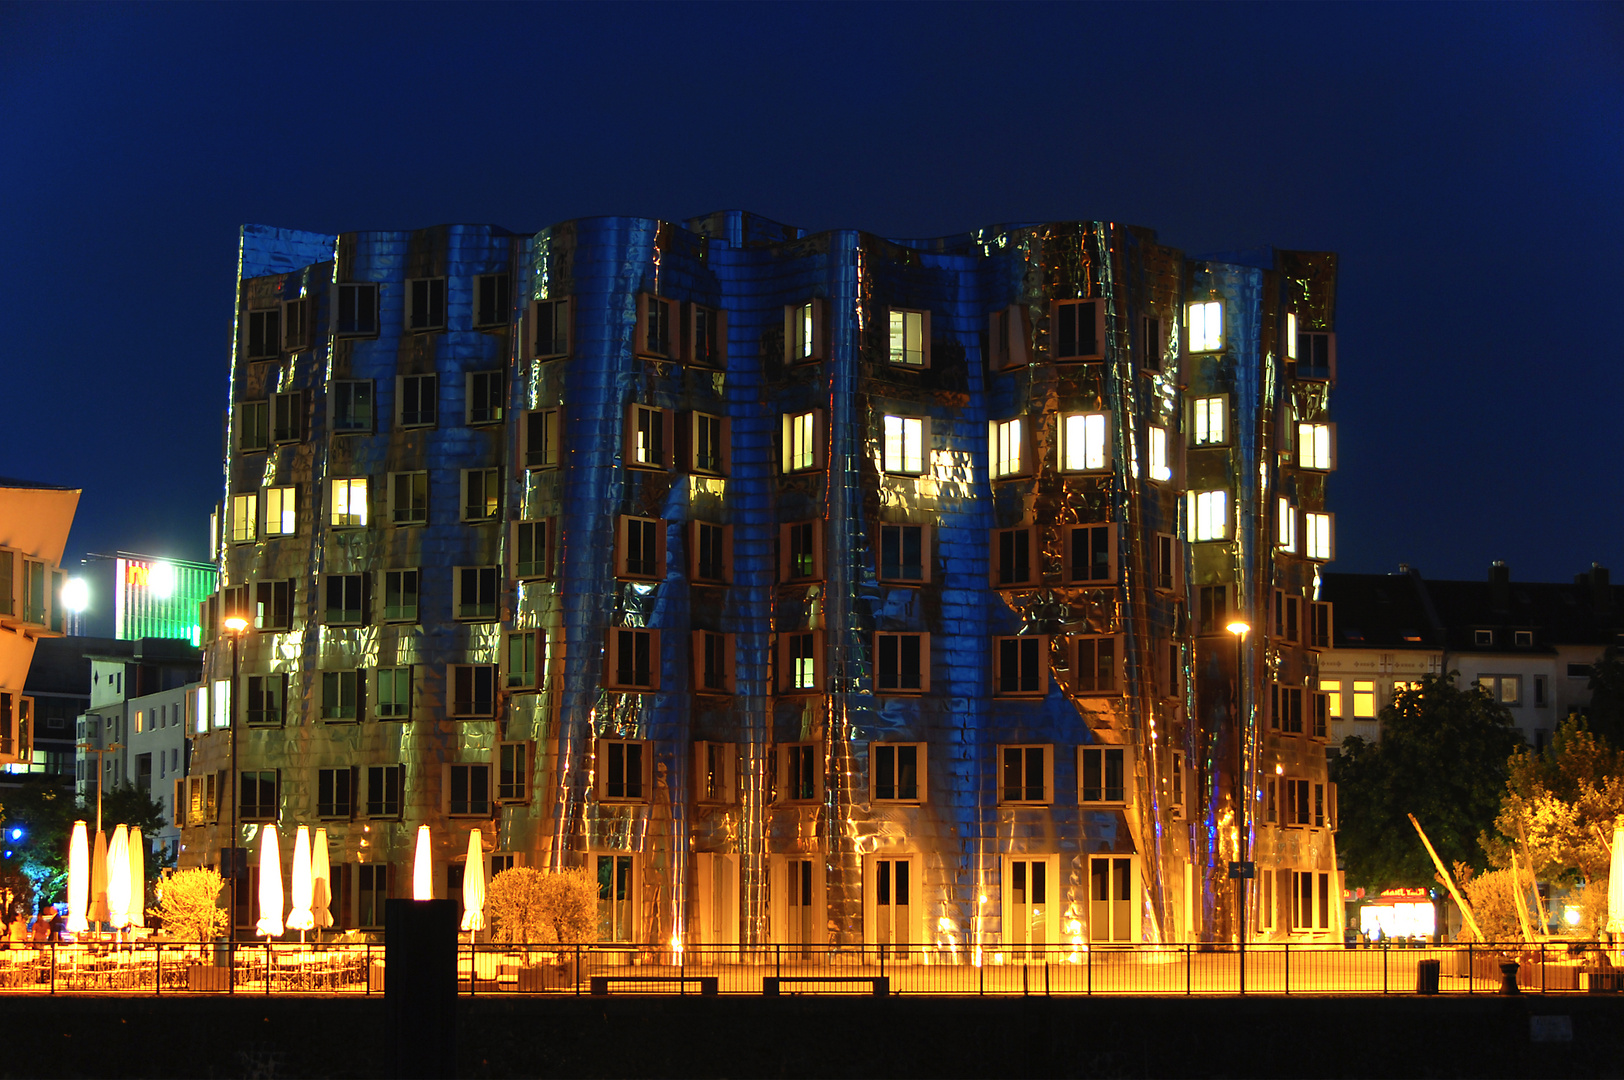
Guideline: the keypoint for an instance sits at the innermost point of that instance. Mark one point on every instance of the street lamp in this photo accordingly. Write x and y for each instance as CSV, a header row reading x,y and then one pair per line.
x,y
1242,788
235,625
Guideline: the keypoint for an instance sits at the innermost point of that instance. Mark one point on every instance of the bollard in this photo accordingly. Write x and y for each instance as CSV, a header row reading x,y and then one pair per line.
x,y
1508,977
420,986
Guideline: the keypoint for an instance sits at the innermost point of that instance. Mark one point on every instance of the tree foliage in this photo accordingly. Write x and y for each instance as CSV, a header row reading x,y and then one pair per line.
x,y
527,906
1605,713
189,905
1559,807
1443,757
38,866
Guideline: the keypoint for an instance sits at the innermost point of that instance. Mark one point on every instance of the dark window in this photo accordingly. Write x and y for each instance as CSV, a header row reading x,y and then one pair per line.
x,y
266,694
425,304
484,397
1090,553
657,327
371,890
902,553
409,498
1213,602
800,777
340,695
711,565
259,795
395,693
642,548
296,325
1103,774
552,328
352,406
531,558
335,796
1097,665
541,439
1076,333
400,595
1166,562
896,772
513,772
357,314
803,561
1152,344
287,423
1014,555
1019,665
492,303
346,600
648,436
482,494
264,334
419,400
473,690
705,336
273,605
1025,774
623,770
383,790
1288,709
707,443
476,592
470,789
900,661
253,425
713,662
634,661
523,659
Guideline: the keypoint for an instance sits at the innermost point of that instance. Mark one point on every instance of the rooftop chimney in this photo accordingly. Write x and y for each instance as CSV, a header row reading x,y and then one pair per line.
x,y
1499,586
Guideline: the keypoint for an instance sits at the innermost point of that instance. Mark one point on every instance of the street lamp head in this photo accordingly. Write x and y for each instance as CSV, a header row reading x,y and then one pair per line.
x,y
1238,628
236,624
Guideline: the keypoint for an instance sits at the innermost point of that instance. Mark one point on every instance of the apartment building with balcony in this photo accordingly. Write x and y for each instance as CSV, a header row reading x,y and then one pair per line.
x,y
803,588
34,524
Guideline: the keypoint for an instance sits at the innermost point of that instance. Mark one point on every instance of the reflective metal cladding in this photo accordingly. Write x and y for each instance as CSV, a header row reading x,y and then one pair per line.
x,y
803,588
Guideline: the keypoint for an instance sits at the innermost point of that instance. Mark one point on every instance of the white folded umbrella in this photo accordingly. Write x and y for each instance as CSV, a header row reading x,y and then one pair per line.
x,y
78,879
300,918
473,885
118,879
270,884
321,882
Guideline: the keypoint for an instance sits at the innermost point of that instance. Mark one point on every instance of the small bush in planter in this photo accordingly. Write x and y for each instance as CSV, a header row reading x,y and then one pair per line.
x,y
188,904
529,907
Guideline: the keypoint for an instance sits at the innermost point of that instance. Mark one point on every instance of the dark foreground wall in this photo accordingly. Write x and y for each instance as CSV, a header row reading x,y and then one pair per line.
x,y
825,1036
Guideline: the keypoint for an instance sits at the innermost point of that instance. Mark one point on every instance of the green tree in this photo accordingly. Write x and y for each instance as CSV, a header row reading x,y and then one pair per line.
x,y
36,867
1605,712
1443,757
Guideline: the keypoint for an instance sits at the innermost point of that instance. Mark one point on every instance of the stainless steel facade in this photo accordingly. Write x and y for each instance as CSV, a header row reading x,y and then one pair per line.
x,y
863,389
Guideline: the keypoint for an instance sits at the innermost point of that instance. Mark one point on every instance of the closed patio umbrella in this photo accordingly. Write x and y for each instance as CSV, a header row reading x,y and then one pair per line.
x,y
97,912
118,879
321,883
78,879
423,867
1615,885
138,879
300,918
270,885
473,886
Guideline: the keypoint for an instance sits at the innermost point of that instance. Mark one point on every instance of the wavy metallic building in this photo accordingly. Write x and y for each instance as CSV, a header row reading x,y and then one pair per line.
x,y
804,588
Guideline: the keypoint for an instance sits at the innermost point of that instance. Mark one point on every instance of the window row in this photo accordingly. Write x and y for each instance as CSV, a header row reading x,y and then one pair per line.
x,y
352,408
289,326
1088,556
1295,803
274,511
342,696
350,599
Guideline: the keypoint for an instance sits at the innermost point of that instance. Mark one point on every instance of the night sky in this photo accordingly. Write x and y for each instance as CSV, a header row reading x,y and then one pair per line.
x,y
1466,161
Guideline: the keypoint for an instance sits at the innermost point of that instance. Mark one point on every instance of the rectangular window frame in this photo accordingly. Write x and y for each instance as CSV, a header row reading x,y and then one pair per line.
x,y
1204,326
389,682
527,537
1030,677
715,662
481,501
622,776
1010,551
417,401
485,583
904,445
476,787
887,773
524,660
399,584
710,552
1094,775
484,397
792,556
805,339
1319,536
409,498
549,329
803,438
1024,792
634,560
1087,677
1009,448
891,675
1093,430
1089,541
492,301
355,309
1077,332
801,665
1210,518
649,431
704,336
1316,446
908,338
658,335
348,502
620,669
893,536
1209,421
466,688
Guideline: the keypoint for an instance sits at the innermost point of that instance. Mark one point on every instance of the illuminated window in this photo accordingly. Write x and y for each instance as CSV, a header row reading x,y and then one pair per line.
x,y
901,663
335,792
549,334
897,771
647,437
642,548
395,693
281,511
476,589
409,498
493,305
1504,689
1008,448
287,417
1206,322
1021,665
357,314
655,327
1026,774
485,397
523,655
244,518
801,441
799,778
417,400
905,444
481,494
1090,554
425,304
473,690
1085,442
910,335
264,334
532,549
623,764
799,653
340,694
1315,446
1209,419
708,436
1317,535
513,772
345,596
1077,330
634,656
1332,689
1096,670
1209,515
400,595
1364,699
1014,563
383,791
467,790
1161,468
253,425
1286,526
348,499
1104,774
803,332
904,551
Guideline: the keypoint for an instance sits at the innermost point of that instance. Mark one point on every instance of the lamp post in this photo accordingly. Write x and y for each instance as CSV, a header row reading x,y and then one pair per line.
x,y
235,625
1242,788
101,767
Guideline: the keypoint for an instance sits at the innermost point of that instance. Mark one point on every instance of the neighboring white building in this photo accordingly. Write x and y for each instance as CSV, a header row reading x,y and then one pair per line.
x,y
1533,644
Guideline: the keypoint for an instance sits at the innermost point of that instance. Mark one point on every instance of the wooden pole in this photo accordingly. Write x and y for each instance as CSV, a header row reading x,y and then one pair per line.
x,y
1449,880
1517,900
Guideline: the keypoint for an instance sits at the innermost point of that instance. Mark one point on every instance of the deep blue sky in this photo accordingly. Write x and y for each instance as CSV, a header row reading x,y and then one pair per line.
x,y
1467,162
